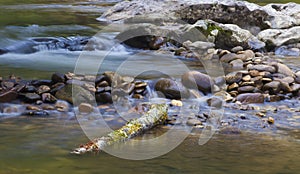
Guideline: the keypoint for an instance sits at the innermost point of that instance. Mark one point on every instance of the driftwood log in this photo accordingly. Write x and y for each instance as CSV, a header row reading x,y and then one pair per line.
x,y
156,115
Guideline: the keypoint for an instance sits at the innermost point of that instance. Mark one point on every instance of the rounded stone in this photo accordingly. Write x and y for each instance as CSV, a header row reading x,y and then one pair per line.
x,y
233,77
85,108
171,89
197,79
251,98
58,78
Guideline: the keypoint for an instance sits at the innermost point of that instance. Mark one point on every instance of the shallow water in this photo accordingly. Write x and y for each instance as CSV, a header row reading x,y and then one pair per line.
x,y
42,145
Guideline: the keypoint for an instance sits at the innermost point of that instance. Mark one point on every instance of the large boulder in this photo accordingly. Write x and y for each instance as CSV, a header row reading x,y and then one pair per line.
x,y
171,89
223,11
81,95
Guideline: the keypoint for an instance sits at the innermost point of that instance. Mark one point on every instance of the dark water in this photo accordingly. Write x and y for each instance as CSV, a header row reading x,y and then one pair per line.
x,y
42,145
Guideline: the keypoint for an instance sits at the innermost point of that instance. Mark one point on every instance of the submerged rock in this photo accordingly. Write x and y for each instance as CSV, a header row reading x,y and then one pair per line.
x,y
197,79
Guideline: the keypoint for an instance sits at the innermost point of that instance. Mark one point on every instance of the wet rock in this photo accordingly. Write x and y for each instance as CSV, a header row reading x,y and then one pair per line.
x,y
285,51
89,78
215,102
104,98
285,87
48,98
233,77
267,68
33,108
85,108
75,82
43,89
246,78
247,54
176,103
271,120
246,89
48,107
251,98
58,78
171,89
41,82
103,84
11,109
80,94
237,49
35,113
232,87
32,97
295,87
273,87
237,64
283,69
197,79
30,88
62,106
56,87
193,122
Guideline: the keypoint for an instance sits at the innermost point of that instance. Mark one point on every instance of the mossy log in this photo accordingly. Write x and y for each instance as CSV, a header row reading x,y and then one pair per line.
x,y
156,115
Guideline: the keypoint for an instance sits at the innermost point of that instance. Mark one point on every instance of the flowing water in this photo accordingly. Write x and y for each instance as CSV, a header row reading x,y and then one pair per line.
x,y
36,32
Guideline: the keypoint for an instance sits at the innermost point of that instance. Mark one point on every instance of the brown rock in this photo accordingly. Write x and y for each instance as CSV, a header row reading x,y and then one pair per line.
x,y
85,108
229,57
237,64
246,78
197,79
233,77
58,78
172,89
48,98
245,89
273,87
251,98
8,96
232,87
283,69
43,89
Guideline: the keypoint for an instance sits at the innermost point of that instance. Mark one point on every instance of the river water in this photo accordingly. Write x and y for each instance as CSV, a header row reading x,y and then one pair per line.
x,y
42,145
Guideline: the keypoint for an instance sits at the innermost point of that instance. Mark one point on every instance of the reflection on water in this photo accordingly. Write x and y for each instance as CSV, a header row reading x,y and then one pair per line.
x,y
42,145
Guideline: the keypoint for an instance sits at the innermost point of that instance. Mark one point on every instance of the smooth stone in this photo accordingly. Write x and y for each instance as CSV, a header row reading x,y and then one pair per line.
x,y
285,87
246,78
56,87
237,64
176,103
193,122
58,78
248,54
250,83
35,113
267,68
232,87
104,98
197,79
30,88
32,97
229,57
171,89
271,120
288,80
220,81
234,77
80,94
283,69
237,49
85,108
245,89
103,84
89,78
43,89
33,108
215,102
41,82
48,107
11,109
89,87
251,98
295,87
140,84
49,98
127,79
62,106
273,87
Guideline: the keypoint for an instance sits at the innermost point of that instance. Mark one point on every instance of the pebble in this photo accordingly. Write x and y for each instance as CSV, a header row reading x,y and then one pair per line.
x,y
271,120
176,103
85,108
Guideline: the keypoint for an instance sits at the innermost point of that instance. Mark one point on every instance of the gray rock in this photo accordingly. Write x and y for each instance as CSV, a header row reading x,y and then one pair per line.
x,y
246,89
193,122
234,77
32,97
260,67
197,79
283,69
80,94
104,97
273,87
58,78
171,89
237,64
251,98
229,11
237,49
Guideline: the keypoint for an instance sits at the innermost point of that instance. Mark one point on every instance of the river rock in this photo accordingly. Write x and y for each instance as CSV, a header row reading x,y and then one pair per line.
x,y
237,49
62,106
32,97
85,108
283,69
234,77
104,97
261,67
273,87
58,78
246,89
43,89
171,89
278,37
197,79
80,94
48,98
8,96
229,57
251,98
193,122
237,64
